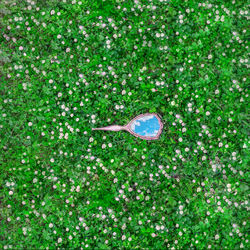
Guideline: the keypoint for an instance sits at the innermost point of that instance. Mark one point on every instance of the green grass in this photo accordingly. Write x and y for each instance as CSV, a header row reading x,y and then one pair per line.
x,y
97,64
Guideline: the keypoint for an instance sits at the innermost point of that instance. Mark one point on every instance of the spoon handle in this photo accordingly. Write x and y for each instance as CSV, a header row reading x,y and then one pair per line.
x,y
111,128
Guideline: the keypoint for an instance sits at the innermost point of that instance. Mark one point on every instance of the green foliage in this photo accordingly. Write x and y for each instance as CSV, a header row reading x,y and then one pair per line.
x,y
71,65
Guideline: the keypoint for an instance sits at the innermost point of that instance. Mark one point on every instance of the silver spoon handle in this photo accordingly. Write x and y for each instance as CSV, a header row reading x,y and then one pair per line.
x,y
111,128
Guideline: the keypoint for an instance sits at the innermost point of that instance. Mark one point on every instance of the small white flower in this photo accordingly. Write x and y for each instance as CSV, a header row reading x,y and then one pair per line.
x,y
52,160
59,240
30,124
51,225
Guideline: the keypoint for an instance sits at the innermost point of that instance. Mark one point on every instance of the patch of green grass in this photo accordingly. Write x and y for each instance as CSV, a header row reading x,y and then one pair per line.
x,y
69,66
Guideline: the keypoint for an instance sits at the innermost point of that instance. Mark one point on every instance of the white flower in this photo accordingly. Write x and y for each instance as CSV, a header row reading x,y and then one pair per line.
x,y
51,225
217,237
59,240
30,124
52,12
52,160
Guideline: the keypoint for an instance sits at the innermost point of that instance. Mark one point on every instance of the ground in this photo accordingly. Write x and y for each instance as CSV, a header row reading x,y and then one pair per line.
x,y
69,66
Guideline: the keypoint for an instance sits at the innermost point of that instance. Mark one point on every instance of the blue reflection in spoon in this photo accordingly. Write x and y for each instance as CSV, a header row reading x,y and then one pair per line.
x,y
146,126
